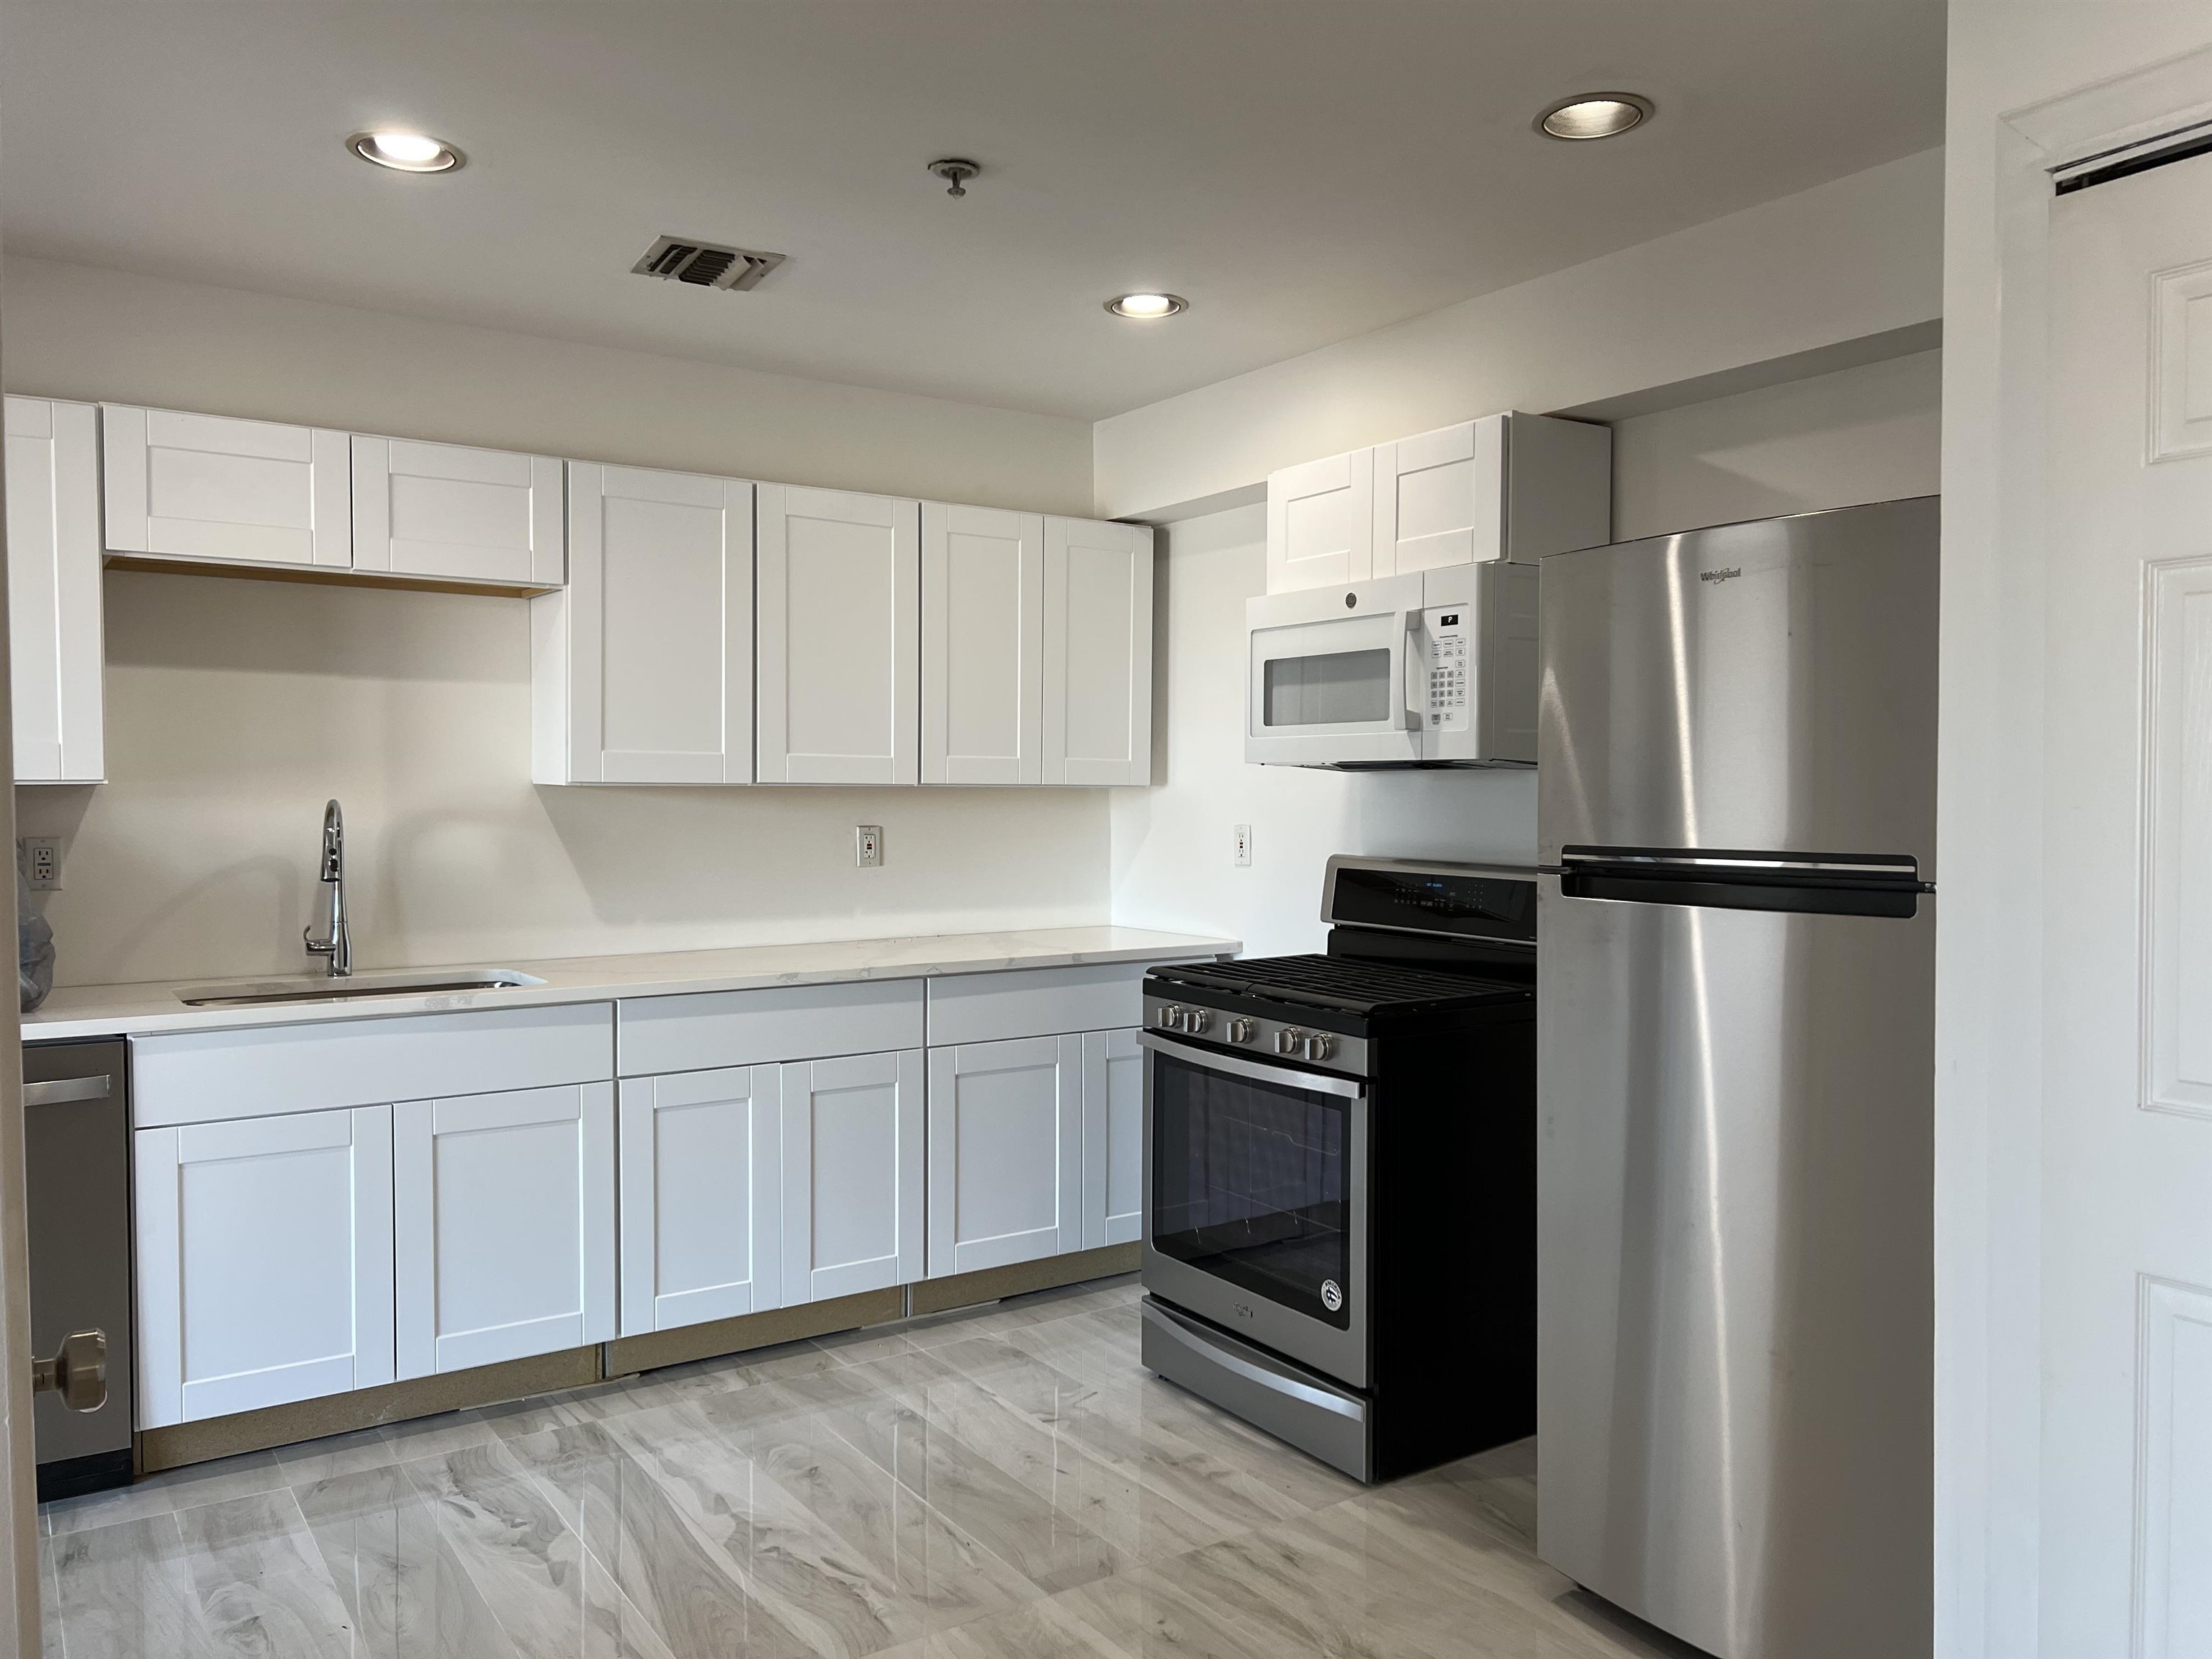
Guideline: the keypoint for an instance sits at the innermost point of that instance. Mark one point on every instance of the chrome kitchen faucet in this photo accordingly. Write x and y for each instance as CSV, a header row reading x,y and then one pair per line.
x,y
336,942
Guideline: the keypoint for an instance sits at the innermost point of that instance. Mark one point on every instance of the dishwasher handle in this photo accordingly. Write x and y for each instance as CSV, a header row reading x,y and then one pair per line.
x,y
61,1091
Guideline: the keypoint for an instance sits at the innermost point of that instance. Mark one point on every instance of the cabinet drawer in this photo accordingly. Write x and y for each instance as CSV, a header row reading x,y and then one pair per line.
x,y
1034,1002
205,1076
752,1028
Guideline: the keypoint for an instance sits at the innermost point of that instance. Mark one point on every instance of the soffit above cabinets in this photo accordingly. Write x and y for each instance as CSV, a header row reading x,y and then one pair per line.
x,y
1301,172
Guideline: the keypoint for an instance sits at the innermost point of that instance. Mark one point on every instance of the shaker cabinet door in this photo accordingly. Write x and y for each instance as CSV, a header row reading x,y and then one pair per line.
x,y
642,666
1440,498
55,643
1006,1152
505,1226
983,635
852,1174
232,492
1113,1138
1097,702
1320,523
838,635
701,1160
460,514
265,1257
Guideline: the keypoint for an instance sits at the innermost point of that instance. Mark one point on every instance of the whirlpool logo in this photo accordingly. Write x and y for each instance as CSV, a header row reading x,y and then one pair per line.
x,y
1728,574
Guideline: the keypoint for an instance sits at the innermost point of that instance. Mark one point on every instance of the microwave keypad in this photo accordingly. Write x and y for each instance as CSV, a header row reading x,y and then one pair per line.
x,y
1448,679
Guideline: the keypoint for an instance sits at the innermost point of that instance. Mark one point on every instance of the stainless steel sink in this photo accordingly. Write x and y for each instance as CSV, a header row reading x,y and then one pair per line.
x,y
322,988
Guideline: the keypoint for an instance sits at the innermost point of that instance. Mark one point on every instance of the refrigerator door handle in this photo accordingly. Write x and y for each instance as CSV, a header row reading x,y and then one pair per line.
x,y
1716,865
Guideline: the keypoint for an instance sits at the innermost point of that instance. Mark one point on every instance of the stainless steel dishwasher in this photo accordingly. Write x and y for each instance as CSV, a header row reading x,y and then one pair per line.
x,y
77,1144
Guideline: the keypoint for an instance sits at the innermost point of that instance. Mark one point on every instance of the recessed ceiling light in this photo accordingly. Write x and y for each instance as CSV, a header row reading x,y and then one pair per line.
x,y
1595,115
406,152
1144,306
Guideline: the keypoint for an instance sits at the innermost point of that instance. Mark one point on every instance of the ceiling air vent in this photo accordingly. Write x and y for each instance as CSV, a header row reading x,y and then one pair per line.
x,y
706,265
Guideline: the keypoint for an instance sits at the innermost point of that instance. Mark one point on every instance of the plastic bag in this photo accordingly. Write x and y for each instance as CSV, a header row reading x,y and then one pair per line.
x,y
34,948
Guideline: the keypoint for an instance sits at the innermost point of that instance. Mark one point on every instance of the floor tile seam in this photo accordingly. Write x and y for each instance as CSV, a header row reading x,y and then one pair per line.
x,y
311,1562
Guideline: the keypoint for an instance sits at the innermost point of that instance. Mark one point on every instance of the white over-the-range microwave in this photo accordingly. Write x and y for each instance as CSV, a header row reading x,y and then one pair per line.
x,y
1436,668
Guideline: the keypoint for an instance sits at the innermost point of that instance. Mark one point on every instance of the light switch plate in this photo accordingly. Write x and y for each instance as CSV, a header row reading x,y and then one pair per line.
x,y
42,863
868,845
1244,854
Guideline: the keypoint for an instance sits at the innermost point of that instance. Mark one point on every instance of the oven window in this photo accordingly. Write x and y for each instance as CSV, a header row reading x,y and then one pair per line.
x,y
1250,1183
1336,688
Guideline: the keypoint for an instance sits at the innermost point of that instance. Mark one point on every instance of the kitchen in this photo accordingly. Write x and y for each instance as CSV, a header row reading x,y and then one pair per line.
x,y
774,749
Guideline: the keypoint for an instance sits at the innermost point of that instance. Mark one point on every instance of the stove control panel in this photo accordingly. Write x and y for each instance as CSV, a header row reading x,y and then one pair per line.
x,y
1327,1049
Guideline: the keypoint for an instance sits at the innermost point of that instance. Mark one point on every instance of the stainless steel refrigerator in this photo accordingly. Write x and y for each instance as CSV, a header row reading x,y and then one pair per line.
x,y
1736,786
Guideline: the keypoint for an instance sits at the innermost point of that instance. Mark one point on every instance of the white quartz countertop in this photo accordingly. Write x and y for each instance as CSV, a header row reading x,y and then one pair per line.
x,y
93,1011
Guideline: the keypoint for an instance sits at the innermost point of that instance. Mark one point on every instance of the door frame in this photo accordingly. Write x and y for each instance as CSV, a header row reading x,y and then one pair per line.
x,y
1991,803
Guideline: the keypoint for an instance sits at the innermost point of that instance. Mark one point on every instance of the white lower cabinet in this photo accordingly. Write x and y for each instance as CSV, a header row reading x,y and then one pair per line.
x,y
1113,1138
1006,1152
264,1261
701,1196
852,1174
504,1230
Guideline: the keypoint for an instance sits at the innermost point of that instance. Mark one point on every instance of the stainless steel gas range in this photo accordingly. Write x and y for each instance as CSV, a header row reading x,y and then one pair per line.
x,y
1339,1229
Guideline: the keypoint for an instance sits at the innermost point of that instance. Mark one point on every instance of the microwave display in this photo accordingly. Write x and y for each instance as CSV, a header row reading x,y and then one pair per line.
x,y
1337,688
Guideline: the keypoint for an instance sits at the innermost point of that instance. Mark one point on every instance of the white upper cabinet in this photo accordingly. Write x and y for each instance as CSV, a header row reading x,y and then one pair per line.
x,y
1006,1152
642,669
264,1262
234,492
1511,486
503,1240
838,636
1098,702
1320,523
55,647
455,513
983,636
701,1165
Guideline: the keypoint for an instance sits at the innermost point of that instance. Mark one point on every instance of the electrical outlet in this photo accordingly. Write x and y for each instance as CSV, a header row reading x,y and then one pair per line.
x,y
1244,846
42,863
867,845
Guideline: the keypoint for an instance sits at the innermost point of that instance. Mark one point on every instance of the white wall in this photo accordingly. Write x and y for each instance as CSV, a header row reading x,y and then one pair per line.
x,y
1857,257
2004,55
236,708
1869,433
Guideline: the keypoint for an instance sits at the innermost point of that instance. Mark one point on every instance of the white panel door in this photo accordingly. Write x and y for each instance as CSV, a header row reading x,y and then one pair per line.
x,y
2125,1118
702,1161
55,647
982,631
1097,652
647,656
263,1255
1320,523
852,1174
235,492
462,514
839,636
504,1241
1113,1138
1006,1152
1440,498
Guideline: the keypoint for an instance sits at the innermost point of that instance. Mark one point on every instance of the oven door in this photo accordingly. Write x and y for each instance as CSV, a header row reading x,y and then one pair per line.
x,y
1326,676
1255,1202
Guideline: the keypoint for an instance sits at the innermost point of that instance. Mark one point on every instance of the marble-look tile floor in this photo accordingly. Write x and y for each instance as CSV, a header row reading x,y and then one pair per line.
x,y
1001,1484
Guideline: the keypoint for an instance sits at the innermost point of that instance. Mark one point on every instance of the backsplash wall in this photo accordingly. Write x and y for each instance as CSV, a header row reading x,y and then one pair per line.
x,y
235,709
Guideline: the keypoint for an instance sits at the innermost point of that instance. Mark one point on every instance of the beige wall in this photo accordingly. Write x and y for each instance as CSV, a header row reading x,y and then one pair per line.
x,y
1858,258
1870,433
236,708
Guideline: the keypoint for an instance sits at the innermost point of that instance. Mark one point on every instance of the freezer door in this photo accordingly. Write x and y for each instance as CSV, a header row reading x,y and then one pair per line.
x,y
1767,685
1734,1271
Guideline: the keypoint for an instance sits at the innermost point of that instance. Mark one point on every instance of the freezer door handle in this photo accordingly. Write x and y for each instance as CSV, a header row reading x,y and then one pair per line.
x,y
1816,883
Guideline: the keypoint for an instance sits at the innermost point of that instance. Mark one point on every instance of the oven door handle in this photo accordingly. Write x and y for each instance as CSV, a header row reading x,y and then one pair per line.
x,y
1236,1065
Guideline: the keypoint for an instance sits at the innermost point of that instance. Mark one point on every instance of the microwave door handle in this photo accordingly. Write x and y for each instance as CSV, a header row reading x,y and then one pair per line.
x,y
1413,680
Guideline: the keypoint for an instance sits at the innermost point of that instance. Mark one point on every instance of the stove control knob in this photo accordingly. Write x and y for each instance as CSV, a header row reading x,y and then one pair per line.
x,y
1237,1030
1290,1040
1170,1018
1197,1021
1319,1046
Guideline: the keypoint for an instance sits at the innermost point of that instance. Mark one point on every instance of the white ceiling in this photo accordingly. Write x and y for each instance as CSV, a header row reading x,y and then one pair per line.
x,y
1303,170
